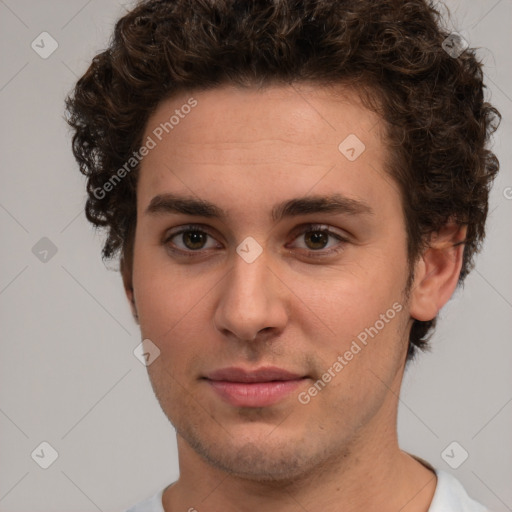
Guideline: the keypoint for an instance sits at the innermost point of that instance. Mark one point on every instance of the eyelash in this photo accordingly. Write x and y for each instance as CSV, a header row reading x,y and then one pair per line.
x,y
301,230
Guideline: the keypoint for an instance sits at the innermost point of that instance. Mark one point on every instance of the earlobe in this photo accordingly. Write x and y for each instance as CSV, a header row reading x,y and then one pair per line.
x,y
437,272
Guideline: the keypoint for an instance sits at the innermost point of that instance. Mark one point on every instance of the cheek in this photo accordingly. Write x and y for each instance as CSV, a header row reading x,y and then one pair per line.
x,y
361,362
366,319
165,308
350,299
173,310
163,297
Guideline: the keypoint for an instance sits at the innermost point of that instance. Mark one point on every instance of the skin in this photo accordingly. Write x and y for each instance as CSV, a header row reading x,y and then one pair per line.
x,y
246,150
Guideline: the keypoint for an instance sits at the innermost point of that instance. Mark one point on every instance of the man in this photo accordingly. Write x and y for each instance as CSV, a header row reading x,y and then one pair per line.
x,y
295,190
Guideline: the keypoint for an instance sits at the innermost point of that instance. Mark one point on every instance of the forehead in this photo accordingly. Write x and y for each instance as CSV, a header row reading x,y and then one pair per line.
x,y
298,113
263,144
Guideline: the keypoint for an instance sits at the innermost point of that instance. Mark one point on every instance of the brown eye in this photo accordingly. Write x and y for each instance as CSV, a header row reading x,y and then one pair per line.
x,y
190,239
194,239
316,239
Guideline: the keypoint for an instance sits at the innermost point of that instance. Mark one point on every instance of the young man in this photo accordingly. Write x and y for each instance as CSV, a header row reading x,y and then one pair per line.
x,y
295,190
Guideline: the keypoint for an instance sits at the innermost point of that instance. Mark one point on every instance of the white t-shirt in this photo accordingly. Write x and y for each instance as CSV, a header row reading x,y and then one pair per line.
x,y
449,496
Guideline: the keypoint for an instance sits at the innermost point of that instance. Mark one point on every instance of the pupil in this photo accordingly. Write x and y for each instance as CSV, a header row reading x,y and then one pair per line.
x,y
316,237
194,240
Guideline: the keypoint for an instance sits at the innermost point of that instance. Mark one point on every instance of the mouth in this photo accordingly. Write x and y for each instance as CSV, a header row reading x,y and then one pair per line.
x,y
256,388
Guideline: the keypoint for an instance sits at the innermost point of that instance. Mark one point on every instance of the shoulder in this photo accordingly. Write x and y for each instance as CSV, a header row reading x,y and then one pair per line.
x,y
450,495
151,504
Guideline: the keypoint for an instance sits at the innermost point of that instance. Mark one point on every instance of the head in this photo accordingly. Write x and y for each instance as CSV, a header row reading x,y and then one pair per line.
x,y
243,110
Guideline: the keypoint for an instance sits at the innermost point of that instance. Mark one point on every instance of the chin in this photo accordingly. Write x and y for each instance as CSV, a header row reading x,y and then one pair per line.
x,y
258,458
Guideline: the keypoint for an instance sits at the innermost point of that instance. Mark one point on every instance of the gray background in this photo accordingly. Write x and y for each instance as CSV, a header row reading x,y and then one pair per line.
x,y
68,374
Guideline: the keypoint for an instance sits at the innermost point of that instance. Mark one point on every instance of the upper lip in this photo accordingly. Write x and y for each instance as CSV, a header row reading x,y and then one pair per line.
x,y
265,374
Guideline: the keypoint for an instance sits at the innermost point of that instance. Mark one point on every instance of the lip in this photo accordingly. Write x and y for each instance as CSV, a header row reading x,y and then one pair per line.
x,y
263,374
254,388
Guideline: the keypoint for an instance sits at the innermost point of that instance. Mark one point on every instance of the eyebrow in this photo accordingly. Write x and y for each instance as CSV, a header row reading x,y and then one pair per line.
x,y
335,204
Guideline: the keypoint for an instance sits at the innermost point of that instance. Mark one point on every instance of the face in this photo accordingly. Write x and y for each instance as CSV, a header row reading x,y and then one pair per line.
x,y
269,269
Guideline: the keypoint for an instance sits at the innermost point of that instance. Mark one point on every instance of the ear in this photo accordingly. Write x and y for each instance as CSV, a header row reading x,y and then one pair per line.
x,y
126,273
437,272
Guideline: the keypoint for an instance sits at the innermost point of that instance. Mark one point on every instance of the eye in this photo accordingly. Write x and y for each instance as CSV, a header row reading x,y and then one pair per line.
x,y
318,238
190,239
315,239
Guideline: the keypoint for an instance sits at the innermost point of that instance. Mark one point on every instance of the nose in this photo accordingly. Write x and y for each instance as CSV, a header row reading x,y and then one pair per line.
x,y
252,301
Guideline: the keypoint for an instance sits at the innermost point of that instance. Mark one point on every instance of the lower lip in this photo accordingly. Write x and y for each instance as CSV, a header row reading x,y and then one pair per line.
x,y
254,394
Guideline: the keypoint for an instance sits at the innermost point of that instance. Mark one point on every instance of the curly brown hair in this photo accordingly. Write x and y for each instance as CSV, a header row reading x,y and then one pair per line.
x,y
392,50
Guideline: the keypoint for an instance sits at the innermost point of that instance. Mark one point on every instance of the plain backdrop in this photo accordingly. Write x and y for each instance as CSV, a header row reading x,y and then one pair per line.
x,y
68,374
